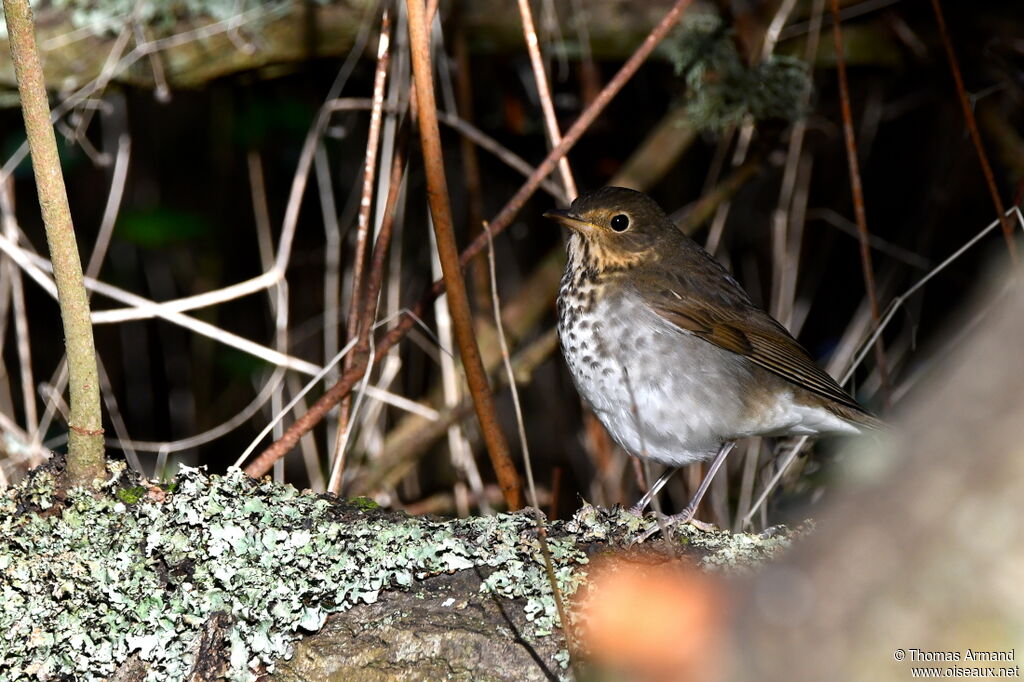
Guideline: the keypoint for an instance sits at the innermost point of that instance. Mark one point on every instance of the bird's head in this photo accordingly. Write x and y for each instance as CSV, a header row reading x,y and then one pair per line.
x,y
616,227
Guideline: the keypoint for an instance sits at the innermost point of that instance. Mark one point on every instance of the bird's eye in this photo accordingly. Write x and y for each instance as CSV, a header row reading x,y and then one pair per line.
x,y
620,222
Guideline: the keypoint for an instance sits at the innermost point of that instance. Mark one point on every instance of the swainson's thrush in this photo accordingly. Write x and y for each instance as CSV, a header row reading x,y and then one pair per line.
x,y
670,353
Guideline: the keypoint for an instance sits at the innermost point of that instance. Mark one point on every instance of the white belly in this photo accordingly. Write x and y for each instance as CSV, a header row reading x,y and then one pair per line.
x,y
671,396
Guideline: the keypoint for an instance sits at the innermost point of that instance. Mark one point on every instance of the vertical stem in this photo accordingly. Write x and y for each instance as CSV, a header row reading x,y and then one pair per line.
x,y
458,301
972,127
85,462
544,94
366,198
858,196
367,306
15,289
471,166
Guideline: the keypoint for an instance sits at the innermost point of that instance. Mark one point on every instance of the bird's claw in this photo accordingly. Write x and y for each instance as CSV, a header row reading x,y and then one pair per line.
x,y
667,522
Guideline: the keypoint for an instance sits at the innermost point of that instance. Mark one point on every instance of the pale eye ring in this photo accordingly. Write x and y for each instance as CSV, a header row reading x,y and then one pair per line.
x,y
620,222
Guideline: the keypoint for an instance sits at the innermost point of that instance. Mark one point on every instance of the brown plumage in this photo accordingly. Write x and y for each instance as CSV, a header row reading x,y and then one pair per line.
x,y
667,348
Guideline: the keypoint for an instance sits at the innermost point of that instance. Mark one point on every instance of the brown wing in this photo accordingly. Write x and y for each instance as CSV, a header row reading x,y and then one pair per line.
x,y
746,330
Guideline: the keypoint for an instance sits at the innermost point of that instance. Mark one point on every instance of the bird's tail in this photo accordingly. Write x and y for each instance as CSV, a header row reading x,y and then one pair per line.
x,y
867,420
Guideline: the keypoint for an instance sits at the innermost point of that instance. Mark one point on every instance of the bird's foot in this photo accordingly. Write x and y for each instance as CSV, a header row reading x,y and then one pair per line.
x,y
667,522
703,525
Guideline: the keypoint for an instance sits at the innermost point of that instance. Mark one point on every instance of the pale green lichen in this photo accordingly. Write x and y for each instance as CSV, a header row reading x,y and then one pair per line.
x,y
39,490
106,577
715,550
88,587
722,89
737,552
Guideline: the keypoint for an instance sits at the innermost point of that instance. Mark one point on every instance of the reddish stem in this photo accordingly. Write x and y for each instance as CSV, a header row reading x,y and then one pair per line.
x,y
858,198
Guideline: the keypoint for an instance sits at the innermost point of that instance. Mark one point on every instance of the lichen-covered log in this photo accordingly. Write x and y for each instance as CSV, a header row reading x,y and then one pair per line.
x,y
215,38
223,576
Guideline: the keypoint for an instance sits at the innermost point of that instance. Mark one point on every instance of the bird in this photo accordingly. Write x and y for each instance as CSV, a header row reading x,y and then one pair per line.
x,y
669,351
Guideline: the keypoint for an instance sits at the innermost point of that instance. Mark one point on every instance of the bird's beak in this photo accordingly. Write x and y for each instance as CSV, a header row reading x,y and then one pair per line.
x,y
564,217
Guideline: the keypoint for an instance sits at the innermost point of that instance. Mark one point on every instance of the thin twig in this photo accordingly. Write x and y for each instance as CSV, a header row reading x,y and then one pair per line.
x,y
894,251
787,232
120,428
17,293
507,362
332,254
161,89
108,68
776,477
341,444
277,295
858,194
746,130
849,12
458,301
366,197
117,183
459,449
471,177
143,308
897,302
540,77
691,217
378,263
972,127
367,306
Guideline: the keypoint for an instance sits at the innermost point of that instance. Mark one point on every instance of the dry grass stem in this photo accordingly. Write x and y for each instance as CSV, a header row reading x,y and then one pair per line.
x,y
544,94
366,197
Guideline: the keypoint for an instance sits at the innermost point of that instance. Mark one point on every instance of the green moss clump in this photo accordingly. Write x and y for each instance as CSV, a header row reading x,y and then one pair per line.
x,y
131,495
364,503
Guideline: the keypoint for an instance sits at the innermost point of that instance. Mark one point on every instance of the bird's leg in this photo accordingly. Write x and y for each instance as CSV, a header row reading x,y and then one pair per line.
x,y
686,515
639,507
